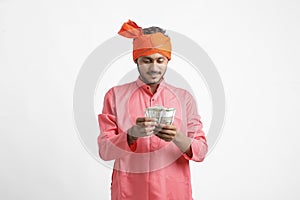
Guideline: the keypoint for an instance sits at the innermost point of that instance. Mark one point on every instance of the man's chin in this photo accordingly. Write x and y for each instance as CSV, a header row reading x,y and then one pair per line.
x,y
152,82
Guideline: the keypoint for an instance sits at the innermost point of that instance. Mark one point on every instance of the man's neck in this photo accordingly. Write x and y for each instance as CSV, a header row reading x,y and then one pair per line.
x,y
154,87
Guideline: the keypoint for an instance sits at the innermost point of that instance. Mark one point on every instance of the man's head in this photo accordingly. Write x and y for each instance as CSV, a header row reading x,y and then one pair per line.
x,y
151,50
152,67
146,41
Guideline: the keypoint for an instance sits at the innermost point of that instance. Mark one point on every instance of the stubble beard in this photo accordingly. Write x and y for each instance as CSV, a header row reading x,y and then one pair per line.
x,y
149,82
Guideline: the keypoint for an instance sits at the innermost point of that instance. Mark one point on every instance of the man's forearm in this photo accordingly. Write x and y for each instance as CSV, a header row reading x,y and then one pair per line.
x,y
183,143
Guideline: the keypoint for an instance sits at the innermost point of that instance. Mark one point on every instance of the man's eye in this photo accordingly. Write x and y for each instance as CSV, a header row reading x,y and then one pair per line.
x,y
160,60
146,61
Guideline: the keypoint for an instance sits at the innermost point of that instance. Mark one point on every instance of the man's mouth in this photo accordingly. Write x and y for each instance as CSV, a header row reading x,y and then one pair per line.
x,y
153,73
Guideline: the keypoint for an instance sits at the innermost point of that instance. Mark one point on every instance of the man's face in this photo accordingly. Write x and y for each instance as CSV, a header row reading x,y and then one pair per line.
x,y
152,68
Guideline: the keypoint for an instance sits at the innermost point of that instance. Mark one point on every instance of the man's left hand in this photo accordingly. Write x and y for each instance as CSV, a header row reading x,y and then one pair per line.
x,y
166,132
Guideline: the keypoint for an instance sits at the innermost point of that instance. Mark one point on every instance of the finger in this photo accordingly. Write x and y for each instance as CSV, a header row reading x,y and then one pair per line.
x,y
145,119
149,119
151,128
167,126
144,130
167,132
139,119
157,129
151,123
149,133
164,137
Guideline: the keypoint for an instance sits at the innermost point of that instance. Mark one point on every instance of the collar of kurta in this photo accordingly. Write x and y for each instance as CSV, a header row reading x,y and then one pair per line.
x,y
146,87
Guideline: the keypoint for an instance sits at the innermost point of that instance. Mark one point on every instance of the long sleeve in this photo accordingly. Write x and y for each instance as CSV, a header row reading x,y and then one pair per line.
x,y
112,141
194,131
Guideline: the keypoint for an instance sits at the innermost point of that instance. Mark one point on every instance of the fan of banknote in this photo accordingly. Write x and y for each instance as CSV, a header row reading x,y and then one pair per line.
x,y
162,114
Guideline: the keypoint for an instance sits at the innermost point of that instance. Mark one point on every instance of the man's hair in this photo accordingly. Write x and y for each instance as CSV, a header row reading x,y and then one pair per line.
x,y
153,29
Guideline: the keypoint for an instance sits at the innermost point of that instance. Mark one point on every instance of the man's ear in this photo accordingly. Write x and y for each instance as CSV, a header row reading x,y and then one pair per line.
x,y
136,61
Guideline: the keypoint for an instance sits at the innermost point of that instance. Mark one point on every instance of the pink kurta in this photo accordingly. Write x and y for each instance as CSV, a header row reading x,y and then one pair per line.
x,y
150,169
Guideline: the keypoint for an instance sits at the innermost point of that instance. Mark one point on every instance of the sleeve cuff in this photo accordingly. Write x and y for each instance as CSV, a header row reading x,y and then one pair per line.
x,y
188,157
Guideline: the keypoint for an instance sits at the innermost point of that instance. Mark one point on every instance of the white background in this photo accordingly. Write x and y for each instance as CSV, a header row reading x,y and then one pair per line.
x,y
254,45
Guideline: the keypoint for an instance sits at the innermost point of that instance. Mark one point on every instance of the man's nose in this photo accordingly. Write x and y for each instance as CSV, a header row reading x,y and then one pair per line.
x,y
154,66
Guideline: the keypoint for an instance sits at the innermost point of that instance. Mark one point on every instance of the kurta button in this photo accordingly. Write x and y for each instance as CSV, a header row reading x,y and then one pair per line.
x,y
152,99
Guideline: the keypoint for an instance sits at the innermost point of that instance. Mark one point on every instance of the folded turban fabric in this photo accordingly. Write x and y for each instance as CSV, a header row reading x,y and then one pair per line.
x,y
146,44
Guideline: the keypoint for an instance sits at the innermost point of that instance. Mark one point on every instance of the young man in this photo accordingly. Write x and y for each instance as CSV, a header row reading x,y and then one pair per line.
x,y
151,159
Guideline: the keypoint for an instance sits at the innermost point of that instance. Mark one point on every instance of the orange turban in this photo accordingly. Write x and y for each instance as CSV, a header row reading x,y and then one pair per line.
x,y
146,44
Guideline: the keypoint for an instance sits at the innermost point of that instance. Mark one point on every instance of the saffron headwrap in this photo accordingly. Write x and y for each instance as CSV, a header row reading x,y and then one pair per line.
x,y
146,44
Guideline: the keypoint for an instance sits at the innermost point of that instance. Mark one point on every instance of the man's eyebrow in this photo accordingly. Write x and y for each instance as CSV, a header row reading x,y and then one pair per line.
x,y
146,57
150,58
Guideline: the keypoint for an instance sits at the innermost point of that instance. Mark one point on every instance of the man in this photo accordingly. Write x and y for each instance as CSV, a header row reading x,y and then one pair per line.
x,y
151,159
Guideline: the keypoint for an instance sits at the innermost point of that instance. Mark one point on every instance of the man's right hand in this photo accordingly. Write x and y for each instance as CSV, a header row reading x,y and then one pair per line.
x,y
144,127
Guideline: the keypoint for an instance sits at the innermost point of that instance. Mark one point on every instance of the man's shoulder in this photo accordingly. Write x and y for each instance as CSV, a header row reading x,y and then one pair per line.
x,y
184,94
125,85
177,90
122,88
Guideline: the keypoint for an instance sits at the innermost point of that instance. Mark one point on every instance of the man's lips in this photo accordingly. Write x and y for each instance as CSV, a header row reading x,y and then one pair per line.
x,y
153,73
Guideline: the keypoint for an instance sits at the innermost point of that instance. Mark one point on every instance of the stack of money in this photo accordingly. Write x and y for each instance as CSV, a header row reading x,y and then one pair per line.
x,y
162,114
